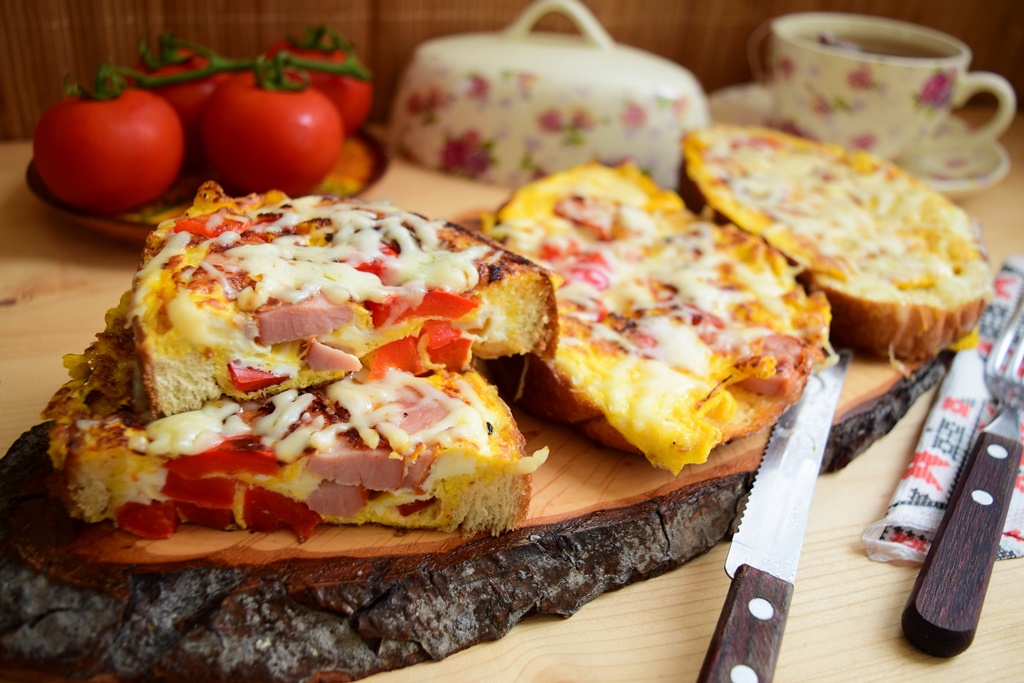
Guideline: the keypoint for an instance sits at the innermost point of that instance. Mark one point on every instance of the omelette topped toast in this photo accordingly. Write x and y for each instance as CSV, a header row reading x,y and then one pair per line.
x,y
256,295
438,450
675,334
281,363
903,267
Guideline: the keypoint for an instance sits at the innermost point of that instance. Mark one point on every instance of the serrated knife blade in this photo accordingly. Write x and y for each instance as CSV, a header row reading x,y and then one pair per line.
x,y
765,550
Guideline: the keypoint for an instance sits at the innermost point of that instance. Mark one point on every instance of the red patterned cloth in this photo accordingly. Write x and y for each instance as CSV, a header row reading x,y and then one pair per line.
x,y
962,407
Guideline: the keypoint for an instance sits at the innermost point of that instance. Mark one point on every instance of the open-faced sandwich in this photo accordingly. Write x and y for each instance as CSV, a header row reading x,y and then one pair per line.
x,y
676,334
903,267
251,296
373,416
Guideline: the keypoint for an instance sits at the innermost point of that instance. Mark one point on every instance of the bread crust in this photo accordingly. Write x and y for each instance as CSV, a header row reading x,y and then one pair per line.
x,y
913,323
895,330
179,373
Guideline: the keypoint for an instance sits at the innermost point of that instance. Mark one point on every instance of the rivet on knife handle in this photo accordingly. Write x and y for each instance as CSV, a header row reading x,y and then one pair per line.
x,y
745,645
944,607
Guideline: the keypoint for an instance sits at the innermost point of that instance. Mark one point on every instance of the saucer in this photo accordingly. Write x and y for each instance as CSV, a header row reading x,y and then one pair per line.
x,y
954,165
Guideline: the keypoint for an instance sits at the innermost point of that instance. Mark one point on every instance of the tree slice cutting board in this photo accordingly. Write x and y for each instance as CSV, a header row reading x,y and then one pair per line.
x,y
90,601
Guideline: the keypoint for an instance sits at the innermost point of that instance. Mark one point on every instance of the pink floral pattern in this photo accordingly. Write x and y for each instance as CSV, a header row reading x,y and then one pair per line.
x,y
887,105
478,87
572,125
633,116
468,155
426,104
512,126
937,90
861,78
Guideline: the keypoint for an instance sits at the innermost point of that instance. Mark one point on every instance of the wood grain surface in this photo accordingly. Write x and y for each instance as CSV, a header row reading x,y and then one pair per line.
x,y
56,280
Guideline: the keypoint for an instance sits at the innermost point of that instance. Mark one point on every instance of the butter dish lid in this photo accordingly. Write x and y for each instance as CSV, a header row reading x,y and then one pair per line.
x,y
590,56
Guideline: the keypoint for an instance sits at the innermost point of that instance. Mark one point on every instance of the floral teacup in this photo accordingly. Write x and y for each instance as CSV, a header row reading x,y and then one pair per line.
x,y
872,83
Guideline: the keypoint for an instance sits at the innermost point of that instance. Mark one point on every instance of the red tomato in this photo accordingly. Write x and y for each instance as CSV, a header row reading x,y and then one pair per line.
x,y
106,156
353,97
188,100
259,140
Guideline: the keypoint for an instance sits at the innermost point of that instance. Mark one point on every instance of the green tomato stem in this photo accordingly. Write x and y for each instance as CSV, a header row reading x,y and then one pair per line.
x,y
284,71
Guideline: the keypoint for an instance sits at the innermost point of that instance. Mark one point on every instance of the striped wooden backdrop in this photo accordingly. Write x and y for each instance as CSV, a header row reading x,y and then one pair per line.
x,y
42,42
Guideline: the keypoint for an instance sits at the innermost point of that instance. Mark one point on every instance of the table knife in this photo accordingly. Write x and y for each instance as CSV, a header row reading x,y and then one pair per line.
x,y
765,550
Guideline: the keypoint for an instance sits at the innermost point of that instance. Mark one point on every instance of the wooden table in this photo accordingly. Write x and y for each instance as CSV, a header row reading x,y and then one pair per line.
x,y
57,280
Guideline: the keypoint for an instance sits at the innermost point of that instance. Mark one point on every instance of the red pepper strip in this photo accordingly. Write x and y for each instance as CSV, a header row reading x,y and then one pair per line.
x,y
401,354
227,458
269,511
454,356
159,519
436,303
407,509
214,519
252,379
212,492
440,333
377,266
199,225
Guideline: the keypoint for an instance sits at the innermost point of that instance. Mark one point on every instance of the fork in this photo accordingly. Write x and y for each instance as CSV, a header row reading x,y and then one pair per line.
x,y
942,613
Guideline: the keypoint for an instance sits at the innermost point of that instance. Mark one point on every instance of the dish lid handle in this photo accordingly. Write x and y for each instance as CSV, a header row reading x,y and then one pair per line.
x,y
589,27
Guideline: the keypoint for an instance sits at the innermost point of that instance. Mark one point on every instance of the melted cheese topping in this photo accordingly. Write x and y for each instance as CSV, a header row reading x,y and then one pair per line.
x,y
854,220
377,411
659,309
203,296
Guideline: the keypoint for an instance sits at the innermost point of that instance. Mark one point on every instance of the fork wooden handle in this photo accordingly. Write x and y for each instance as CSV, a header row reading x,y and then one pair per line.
x,y
942,613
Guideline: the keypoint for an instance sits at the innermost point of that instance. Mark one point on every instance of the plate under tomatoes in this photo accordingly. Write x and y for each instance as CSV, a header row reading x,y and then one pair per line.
x,y
361,163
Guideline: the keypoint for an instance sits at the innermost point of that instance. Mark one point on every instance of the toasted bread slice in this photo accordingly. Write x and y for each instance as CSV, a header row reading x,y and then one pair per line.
x,y
437,451
256,295
903,267
675,334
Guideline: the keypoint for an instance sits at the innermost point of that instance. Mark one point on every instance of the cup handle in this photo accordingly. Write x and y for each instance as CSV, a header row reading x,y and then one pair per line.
x,y
753,51
586,23
976,82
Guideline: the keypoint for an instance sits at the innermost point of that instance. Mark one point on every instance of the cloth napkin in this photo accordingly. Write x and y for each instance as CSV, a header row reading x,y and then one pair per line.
x,y
963,406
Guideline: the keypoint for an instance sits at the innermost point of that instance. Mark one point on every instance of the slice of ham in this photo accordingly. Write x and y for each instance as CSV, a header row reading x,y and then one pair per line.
x,y
338,500
323,357
371,468
789,361
309,318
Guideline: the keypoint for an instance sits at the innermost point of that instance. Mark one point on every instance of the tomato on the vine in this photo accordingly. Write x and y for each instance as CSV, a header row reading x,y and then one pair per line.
x,y
106,156
258,139
352,96
188,98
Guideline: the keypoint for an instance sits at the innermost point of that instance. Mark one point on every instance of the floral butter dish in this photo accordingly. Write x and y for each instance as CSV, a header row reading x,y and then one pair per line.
x,y
513,106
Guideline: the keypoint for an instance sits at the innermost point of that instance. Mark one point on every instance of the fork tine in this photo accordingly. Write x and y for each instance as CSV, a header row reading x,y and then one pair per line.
x,y
1001,349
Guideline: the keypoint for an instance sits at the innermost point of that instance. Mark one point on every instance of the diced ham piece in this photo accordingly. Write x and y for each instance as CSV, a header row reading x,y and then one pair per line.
x,y
416,472
323,357
420,414
591,214
337,500
309,318
789,358
371,468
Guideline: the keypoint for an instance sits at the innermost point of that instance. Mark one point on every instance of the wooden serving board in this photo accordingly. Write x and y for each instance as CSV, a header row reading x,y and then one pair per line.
x,y
92,601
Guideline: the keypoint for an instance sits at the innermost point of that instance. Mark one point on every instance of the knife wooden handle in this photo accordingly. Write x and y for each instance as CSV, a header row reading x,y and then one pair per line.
x,y
944,607
749,631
